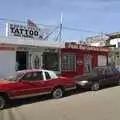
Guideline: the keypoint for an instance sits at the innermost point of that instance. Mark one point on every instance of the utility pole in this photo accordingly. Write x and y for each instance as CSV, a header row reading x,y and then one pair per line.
x,y
61,26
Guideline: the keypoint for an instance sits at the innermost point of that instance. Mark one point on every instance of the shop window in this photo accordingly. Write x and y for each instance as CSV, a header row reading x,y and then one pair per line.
x,y
51,61
69,62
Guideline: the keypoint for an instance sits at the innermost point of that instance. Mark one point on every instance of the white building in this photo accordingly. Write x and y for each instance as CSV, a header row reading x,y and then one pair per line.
x,y
23,47
114,39
28,53
98,40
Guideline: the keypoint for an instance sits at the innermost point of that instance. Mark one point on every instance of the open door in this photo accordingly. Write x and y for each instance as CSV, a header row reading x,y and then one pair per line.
x,y
21,60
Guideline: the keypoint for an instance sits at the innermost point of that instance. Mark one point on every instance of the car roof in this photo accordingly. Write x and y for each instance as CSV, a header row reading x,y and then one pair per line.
x,y
103,66
34,70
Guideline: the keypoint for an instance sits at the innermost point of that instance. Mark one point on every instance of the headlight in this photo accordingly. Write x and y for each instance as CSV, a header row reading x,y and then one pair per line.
x,y
84,82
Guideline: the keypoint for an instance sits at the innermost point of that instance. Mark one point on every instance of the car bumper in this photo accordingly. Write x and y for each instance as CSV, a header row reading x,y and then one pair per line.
x,y
84,84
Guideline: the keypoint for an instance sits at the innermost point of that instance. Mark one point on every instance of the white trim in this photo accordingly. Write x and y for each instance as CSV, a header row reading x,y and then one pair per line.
x,y
31,42
43,73
29,95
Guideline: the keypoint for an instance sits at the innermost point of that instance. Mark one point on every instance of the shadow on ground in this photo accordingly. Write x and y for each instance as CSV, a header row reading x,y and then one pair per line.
x,y
20,102
17,103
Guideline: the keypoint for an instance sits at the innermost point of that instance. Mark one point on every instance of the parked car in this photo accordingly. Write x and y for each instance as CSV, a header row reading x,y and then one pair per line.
x,y
100,76
28,83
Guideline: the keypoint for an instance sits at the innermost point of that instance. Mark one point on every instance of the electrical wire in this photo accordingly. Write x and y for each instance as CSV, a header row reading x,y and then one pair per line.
x,y
64,27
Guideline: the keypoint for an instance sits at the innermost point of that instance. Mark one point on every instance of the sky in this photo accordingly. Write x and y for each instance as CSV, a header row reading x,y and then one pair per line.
x,y
91,17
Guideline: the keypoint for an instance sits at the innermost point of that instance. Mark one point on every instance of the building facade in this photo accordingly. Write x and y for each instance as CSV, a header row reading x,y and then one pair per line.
x,y
77,59
18,54
69,59
25,46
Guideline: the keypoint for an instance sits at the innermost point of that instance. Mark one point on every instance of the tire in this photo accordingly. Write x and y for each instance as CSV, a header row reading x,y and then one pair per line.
x,y
2,102
57,93
95,86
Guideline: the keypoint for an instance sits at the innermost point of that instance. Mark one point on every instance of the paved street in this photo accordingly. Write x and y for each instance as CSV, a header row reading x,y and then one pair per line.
x,y
101,105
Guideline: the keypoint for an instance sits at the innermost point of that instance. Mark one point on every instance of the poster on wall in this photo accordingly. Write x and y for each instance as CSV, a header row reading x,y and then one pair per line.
x,y
30,30
35,60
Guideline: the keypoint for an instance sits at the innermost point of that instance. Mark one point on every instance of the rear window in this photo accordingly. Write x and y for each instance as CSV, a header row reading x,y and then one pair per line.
x,y
52,75
99,71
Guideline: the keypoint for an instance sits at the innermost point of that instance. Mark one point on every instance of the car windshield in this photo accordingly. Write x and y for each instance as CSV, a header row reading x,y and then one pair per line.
x,y
99,71
14,76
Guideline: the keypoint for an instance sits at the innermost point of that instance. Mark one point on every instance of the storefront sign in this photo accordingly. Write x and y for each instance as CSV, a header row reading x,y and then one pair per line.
x,y
84,47
23,31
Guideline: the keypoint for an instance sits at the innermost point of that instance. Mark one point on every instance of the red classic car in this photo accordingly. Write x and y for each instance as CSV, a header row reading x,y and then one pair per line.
x,y
28,83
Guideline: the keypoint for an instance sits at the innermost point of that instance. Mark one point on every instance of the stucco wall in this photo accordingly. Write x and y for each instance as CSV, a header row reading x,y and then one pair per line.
x,y
7,62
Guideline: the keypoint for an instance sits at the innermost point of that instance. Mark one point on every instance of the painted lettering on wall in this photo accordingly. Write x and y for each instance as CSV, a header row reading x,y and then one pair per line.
x,y
84,47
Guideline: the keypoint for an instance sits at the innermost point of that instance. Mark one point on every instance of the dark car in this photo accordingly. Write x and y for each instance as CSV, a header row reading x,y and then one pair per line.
x,y
100,76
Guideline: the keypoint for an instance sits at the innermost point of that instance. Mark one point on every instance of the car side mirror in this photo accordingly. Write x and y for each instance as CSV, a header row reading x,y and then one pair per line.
x,y
20,80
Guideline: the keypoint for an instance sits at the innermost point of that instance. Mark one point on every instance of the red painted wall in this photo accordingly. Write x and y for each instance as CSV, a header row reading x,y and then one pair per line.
x,y
80,60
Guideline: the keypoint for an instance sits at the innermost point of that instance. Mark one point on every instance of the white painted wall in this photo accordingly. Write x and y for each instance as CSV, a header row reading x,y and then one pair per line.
x,y
100,43
115,42
102,60
7,62
32,42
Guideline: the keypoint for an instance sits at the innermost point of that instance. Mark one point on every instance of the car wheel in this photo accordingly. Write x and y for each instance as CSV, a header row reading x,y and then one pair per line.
x,y
57,93
2,102
95,86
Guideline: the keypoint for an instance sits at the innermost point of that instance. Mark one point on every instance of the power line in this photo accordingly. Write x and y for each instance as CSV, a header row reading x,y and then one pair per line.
x,y
78,29
64,27
50,33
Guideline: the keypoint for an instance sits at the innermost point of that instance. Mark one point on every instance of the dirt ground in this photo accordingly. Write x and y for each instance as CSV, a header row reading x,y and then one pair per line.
x,y
101,105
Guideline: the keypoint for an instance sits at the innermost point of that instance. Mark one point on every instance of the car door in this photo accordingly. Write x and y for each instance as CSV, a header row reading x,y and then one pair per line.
x,y
23,87
48,83
109,75
31,84
102,76
39,83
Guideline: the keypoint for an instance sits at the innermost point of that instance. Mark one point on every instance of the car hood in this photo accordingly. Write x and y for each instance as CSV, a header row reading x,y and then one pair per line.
x,y
84,77
5,81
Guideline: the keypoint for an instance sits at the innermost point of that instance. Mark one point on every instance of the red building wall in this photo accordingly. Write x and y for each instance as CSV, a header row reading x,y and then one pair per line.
x,y
80,60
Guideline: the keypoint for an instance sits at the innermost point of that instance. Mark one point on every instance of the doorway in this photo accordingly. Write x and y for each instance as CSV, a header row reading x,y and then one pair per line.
x,y
51,61
87,63
21,60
